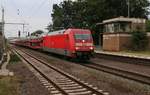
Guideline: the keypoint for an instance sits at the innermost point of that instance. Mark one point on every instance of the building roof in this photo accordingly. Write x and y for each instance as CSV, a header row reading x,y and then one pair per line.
x,y
123,19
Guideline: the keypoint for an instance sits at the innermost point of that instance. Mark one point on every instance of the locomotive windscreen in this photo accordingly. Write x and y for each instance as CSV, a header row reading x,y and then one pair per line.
x,y
82,36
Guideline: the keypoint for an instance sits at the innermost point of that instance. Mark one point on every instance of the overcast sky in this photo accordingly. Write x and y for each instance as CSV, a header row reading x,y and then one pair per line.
x,y
36,13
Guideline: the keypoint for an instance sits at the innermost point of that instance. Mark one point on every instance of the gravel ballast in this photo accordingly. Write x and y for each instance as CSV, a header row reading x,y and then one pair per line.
x,y
113,84
29,84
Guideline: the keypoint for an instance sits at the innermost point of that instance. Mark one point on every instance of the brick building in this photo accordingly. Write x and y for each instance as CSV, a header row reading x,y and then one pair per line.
x,y
117,32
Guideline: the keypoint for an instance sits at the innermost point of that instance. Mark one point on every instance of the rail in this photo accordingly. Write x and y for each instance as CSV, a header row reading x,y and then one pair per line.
x,y
66,83
135,76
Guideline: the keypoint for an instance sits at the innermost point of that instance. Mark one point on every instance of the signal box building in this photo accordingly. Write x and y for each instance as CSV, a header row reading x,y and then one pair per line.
x,y
117,32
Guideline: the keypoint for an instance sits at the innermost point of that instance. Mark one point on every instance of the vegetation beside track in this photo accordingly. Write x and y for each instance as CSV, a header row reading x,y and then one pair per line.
x,y
14,58
140,53
9,86
139,41
130,52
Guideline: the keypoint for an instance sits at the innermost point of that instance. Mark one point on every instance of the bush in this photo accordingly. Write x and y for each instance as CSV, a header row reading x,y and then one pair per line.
x,y
14,58
139,41
148,26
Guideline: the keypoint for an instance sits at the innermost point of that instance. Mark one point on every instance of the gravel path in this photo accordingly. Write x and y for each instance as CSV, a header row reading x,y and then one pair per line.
x,y
113,84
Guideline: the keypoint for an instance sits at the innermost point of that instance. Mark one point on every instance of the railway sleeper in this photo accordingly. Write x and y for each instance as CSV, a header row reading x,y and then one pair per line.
x,y
58,94
76,90
81,93
66,83
72,85
60,81
69,88
55,92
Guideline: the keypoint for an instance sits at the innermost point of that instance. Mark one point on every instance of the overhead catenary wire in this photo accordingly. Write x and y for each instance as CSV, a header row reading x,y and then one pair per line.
x,y
33,7
38,8
37,5
18,10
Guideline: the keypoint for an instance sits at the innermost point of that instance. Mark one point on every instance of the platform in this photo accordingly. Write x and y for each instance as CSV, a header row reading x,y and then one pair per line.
x,y
124,54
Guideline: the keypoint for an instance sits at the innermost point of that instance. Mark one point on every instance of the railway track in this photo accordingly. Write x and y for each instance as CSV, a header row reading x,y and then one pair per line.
x,y
56,80
135,76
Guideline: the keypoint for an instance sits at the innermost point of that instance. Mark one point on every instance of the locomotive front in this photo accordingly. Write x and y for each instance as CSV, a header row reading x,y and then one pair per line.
x,y
83,43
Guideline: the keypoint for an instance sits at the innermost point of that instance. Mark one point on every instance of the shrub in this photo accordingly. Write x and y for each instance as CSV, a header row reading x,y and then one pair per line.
x,y
139,41
148,26
14,58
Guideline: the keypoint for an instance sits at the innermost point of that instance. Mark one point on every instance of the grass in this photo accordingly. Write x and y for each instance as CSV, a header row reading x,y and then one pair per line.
x,y
147,53
14,58
136,53
9,86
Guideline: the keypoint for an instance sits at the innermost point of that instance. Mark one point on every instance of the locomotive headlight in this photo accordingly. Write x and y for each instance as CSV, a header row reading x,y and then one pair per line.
x,y
91,48
77,48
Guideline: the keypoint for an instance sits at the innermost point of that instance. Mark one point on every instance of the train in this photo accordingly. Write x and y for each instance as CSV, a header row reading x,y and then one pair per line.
x,y
72,43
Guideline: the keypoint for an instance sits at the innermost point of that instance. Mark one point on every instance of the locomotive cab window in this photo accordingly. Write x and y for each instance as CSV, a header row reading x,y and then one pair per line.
x,y
82,36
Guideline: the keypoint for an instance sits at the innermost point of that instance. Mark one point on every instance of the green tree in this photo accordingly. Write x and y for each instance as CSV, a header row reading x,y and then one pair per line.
x,y
139,41
57,16
86,13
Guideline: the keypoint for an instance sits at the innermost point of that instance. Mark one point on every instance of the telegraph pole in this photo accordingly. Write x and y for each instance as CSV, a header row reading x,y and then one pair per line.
x,y
3,35
128,3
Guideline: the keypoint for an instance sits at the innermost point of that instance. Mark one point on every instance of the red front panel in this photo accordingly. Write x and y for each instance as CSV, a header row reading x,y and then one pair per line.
x,y
82,40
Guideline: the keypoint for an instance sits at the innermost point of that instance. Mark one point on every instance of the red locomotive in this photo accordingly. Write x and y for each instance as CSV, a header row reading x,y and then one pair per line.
x,y
74,43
